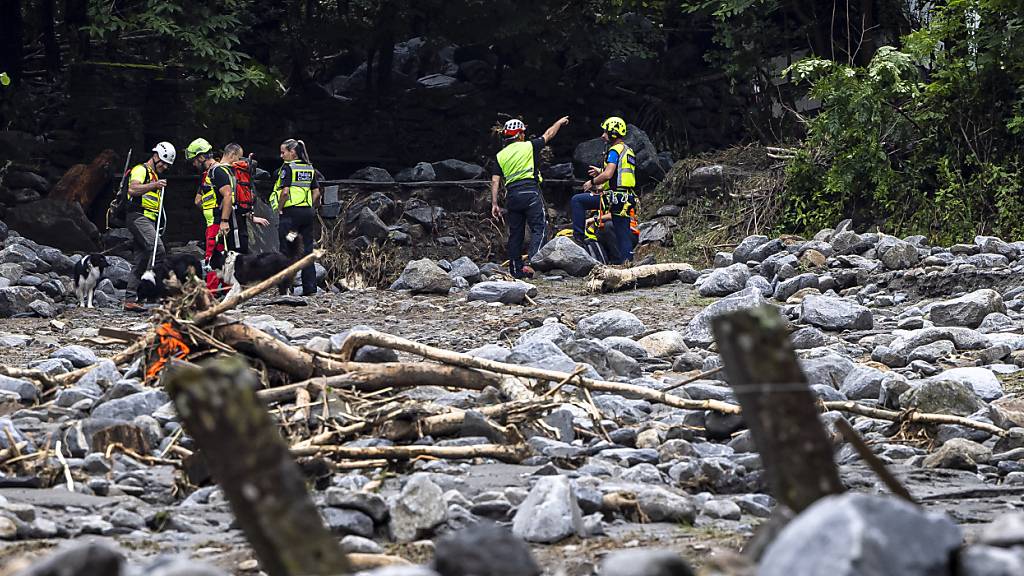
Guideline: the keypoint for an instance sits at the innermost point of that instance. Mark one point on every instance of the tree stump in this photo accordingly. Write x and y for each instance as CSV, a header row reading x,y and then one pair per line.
x,y
250,461
83,183
778,406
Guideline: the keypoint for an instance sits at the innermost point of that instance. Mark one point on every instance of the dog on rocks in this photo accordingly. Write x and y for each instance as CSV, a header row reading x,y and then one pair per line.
x,y
88,272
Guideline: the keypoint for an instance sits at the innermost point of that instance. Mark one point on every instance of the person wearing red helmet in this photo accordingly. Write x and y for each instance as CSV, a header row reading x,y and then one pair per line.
x,y
519,168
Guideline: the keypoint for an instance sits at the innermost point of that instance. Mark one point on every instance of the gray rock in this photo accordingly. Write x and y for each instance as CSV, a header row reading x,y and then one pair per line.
x,y
725,281
742,252
941,397
501,291
832,313
982,381
993,245
968,310
988,260
550,512
26,391
369,503
423,277
372,174
644,562
417,509
863,383
17,299
858,534
990,561
896,254
543,354
485,548
959,454
723,259
182,567
760,283
79,356
554,332
627,346
422,172
491,352
698,331
830,370
610,323
79,559
786,288
465,268
347,521
129,407
661,505
562,253
997,322
1006,530
453,169
359,545
808,337
722,509
766,250
664,344
933,352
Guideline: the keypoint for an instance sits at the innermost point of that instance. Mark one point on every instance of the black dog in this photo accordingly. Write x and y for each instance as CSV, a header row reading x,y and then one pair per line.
x,y
176,270
238,270
88,272
185,267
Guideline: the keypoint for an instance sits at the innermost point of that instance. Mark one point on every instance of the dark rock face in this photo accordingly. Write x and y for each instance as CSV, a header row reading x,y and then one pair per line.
x,y
55,223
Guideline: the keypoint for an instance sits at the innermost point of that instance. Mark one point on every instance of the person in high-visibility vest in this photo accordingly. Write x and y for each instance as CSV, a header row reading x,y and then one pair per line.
x,y
518,167
296,194
142,205
617,182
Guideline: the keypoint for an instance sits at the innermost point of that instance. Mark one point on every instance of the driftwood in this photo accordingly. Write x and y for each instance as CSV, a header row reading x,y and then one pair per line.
x,y
512,454
82,183
249,460
778,406
357,339
608,279
911,416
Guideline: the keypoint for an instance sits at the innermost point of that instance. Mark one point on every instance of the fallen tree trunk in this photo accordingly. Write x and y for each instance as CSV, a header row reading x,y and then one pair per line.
x,y
250,461
359,338
608,279
511,454
911,416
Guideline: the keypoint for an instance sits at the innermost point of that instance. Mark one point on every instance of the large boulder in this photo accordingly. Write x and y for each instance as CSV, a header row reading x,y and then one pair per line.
x,y
941,397
863,535
741,254
982,381
562,253
725,281
896,254
593,153
423,277
17,300
831,313
698,331
422,172
550,512
372,174
55,223
417,509
968,310
452,169
485,548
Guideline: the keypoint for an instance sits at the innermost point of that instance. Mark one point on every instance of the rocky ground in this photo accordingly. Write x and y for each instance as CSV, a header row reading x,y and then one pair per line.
x,y
885,322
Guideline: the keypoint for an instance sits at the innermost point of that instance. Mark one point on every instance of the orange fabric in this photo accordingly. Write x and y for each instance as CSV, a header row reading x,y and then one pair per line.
x,y
170,345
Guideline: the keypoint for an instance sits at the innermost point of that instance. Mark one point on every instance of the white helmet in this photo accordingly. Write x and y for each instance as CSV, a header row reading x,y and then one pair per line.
x,y
514,127
165,151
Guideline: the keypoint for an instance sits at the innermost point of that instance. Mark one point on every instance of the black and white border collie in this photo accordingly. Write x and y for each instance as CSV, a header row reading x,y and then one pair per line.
x,y
240,270
153,284
88,272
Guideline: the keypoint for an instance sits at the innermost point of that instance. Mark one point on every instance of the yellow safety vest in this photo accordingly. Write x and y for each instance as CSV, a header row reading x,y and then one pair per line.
x,y
150,201
209,198
621,187
300,190
517,163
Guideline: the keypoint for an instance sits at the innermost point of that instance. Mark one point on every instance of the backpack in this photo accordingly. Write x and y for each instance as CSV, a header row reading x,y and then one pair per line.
x,y
118,209
245,188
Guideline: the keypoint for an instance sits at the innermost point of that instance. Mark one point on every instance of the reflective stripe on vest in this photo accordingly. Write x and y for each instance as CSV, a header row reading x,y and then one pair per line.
x,y
209,198
299,191
517,163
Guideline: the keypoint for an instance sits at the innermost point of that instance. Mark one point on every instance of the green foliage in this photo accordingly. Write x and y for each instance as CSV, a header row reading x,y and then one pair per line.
x,y
934,153
203,37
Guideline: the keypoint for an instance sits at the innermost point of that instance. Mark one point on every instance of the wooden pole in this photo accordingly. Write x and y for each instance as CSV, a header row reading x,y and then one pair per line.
x,y
608,279
778,406
247,457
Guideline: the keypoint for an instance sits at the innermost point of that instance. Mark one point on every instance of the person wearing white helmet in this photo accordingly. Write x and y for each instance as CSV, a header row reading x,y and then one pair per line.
x,y
519,168
145,188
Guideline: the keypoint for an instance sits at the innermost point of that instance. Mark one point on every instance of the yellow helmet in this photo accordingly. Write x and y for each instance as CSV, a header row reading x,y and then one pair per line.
x,y
197,147
615,126
566,232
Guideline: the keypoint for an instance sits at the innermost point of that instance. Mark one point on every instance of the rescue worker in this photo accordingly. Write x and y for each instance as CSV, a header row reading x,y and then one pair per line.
x,y
617,182
145,189
206,199
296,192
518,166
